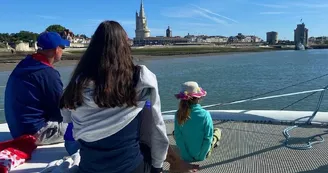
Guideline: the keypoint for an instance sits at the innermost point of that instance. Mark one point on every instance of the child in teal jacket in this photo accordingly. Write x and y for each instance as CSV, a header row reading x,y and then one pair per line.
x,y
193,126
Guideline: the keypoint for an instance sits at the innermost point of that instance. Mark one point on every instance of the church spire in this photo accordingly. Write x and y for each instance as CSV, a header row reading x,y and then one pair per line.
x,y
142,10
142,30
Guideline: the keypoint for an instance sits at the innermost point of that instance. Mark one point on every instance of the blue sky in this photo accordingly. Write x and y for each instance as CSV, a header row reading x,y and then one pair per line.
x,y
210,17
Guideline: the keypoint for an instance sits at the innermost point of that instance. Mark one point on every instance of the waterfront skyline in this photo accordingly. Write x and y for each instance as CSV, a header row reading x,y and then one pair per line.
x,y
209,17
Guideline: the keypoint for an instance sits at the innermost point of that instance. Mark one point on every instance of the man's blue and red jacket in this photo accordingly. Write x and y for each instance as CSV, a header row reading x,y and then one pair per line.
x,y
32,96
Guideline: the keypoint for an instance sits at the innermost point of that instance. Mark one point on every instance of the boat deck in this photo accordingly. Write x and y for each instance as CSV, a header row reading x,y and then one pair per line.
x,y
259,148
244,148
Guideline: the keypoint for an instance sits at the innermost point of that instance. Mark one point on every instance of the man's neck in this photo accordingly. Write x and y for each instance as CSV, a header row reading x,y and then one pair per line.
x,y
44,59
51,61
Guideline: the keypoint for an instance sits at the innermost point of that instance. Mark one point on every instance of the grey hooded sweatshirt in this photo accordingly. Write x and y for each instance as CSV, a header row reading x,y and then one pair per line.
x,y
92,123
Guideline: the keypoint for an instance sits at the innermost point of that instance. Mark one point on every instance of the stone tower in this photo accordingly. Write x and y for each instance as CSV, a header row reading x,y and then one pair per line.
x,y
142,30
168,32
301,35
272,37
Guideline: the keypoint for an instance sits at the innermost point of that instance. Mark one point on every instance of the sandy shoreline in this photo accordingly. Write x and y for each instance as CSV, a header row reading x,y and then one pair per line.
x,y
7,63
11,66
71,56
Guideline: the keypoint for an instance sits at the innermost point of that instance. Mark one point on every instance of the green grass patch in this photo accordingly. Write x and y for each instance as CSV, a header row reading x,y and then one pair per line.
x,y
190,50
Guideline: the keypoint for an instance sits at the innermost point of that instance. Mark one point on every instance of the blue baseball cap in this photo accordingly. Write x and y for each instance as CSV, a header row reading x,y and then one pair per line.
x,y
51,40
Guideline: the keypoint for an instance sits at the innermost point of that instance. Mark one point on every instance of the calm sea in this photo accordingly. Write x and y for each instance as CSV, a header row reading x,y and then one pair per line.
x,y
232,77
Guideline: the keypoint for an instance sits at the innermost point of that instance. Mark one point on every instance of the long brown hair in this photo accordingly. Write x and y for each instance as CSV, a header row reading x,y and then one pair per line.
x,y
184,110
107,63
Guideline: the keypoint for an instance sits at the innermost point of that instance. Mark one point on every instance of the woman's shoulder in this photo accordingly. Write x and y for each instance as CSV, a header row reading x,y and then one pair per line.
x,y
202,113
144,70
206,112
146,76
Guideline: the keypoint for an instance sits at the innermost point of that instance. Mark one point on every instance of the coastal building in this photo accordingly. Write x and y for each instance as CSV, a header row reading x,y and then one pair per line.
x,y
168,32
247,39
142,30
191,38
233,39
318,40
67,34
76,40
272,37
143,37
240,37
256,39
211,39
286,42
81,40
301,35
160,40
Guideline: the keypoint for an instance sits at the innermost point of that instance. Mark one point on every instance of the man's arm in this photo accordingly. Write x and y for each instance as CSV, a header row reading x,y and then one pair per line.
x,y
53,88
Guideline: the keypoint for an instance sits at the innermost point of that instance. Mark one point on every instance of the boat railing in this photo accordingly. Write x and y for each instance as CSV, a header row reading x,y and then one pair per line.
x,y
261,98
297,123
256,99
311,140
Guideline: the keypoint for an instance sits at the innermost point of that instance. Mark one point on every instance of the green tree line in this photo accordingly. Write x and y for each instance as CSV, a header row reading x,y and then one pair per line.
x,y
27,36
24,36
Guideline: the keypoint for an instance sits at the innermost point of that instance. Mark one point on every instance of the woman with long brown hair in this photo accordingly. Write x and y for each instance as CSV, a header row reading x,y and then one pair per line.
x,y
104,99
193,126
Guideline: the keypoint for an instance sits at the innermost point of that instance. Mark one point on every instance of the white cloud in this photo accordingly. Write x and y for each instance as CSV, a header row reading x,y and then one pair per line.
x,y
312,5
178,12
197,24
272,5
273,12
311,12
186,12
215,19
216,14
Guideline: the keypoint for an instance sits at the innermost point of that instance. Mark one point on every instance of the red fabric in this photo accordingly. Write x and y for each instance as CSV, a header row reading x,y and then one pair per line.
x,y
25,143
3,169
42,59
15,152
10,159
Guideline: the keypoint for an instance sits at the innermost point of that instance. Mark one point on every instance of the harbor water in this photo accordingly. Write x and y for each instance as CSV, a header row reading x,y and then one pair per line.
x,y
232,77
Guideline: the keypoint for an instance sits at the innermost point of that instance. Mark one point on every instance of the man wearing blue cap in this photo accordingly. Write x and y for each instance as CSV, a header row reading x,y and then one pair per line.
x,y
33,91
